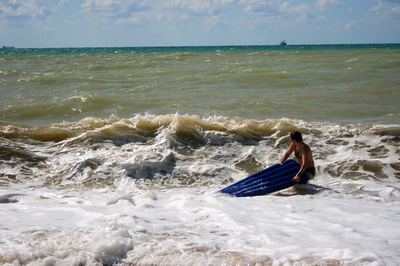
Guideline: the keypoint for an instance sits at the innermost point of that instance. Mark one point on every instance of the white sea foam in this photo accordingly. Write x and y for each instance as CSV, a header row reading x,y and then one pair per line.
x,y
143,191
191,226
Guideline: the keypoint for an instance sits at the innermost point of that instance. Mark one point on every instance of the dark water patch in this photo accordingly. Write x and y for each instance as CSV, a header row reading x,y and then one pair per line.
x,y
9,198
10,150
359,170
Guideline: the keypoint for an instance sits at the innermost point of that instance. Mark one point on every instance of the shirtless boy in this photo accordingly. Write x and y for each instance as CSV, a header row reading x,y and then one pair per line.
x,y
304,156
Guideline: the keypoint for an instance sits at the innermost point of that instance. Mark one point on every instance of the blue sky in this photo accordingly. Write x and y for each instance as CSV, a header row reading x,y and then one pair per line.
x,y
105,23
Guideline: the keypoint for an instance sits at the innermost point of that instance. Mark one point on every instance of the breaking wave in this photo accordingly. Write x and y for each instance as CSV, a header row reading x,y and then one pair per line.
x,y
175,150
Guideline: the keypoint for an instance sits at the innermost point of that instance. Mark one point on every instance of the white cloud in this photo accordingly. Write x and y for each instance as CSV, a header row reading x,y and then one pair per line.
x,y
131,20
142,17
350,25
63,2
20,8
207,12
327,4
272,7
386,10
282,13
288,8
141,11
14,9
200,6
118,7
112,8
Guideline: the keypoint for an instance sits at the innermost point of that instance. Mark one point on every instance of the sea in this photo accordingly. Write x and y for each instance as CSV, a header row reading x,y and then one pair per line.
x,y
115,156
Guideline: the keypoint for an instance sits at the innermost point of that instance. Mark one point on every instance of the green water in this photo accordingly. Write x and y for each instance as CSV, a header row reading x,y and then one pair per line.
x,y
333,83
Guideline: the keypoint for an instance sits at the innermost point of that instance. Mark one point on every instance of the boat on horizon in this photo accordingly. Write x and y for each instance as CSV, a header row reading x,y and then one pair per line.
x,y
283,43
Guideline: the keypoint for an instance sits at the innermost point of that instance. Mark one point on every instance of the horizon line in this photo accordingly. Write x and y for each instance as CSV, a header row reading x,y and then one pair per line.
x,y
216,45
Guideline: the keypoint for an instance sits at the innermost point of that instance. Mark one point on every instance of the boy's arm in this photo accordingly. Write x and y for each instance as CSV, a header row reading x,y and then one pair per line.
x,y
287,153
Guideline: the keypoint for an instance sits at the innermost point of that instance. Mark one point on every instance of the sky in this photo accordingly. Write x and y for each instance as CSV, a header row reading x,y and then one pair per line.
x,y
130,23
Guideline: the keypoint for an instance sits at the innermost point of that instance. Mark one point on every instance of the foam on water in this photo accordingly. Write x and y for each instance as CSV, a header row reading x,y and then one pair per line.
x,y
170,148
143,191
190,226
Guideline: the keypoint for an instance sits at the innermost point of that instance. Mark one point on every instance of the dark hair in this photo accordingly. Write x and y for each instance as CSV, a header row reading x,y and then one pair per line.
x,y
296,136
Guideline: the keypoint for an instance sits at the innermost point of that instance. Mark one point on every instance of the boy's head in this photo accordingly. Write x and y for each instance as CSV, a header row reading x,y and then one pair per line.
x,y
296,136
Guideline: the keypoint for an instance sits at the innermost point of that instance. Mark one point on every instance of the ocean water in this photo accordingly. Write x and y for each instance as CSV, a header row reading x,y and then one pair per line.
x,y
115,155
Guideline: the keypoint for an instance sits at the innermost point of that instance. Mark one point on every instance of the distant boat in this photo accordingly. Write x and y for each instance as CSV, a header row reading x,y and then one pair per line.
x,y
283,43
7,47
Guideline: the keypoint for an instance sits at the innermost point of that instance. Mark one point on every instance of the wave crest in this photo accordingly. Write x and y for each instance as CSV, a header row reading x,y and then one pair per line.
x,y
186,150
